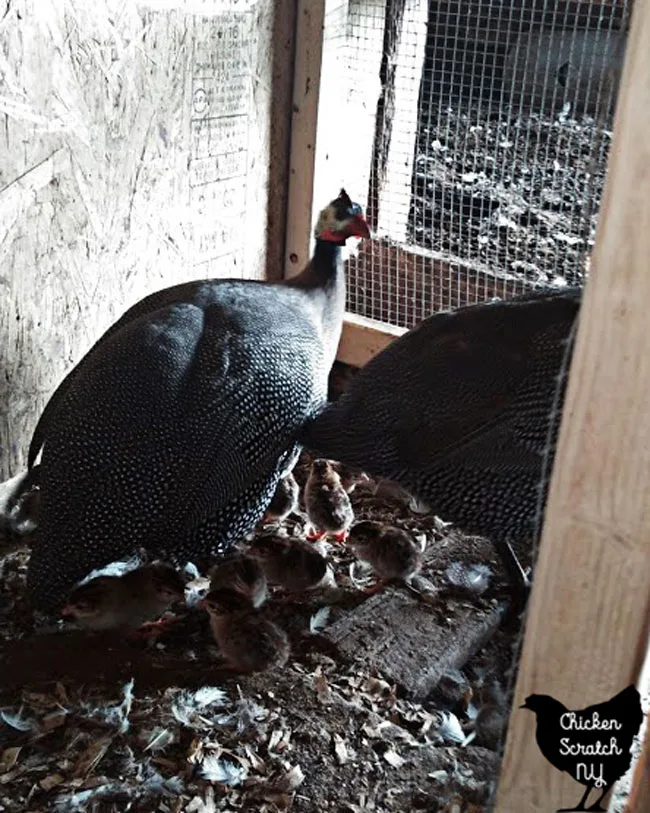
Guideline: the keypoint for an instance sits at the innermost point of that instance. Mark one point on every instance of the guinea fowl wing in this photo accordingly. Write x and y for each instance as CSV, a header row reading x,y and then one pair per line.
x,y
116,472
176,294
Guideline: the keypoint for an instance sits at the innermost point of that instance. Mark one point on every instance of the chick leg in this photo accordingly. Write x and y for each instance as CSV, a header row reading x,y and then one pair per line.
x,y
581,803
376,588
152,629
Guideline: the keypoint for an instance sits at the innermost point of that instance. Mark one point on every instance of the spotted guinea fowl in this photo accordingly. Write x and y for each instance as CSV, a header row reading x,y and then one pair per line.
x,y
463,412
172,432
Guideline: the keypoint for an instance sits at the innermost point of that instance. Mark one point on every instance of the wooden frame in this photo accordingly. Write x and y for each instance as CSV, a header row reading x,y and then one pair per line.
x,y
587,631
590,598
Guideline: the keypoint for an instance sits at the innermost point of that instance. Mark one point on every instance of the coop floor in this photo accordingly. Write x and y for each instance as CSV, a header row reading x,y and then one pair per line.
x,y
95,724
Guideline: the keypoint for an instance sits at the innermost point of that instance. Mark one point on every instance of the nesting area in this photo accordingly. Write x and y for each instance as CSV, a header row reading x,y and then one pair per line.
x,y
369,715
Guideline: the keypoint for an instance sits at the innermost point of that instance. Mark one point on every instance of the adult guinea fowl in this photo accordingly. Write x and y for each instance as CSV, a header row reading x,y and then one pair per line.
x,y
463,412
172,432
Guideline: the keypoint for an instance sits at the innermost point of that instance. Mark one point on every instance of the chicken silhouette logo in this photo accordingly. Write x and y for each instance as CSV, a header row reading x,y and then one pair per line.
x,y
593,745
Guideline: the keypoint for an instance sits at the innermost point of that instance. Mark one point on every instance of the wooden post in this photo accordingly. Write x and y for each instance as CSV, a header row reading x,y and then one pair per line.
x,y
586,633
350,90
307,73
397,120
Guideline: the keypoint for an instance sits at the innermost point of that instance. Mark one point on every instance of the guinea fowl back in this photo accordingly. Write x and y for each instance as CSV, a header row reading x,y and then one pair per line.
x,y
462,411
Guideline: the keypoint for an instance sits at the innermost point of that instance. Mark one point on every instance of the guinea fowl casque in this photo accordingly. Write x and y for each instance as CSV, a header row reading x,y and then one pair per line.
x,y
172,432
463,411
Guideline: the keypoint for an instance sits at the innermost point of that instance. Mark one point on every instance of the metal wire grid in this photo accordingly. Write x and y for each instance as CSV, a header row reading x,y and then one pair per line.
x,y
498,192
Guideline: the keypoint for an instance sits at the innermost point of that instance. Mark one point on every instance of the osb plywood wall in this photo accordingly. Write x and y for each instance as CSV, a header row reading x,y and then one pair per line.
x,y
141,144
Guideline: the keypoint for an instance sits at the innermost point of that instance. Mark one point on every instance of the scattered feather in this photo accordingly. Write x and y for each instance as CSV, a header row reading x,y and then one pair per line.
x,y
215,769
189,708
18,722
114,569
471,578
449,727
158,739
318,621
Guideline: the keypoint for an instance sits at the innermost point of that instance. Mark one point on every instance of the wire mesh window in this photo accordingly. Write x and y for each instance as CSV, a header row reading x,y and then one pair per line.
x,y
484,168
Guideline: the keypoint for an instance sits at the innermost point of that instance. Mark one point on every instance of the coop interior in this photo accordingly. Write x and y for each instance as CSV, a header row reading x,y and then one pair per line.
x,y
149,143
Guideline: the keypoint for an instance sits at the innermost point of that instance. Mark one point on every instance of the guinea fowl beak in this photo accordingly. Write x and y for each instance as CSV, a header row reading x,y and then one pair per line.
x,y
359,227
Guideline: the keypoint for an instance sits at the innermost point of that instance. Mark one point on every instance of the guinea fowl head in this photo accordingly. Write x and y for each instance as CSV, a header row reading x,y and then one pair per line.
x,y
91,599
166,581
322,468
267,546
341,219
225,601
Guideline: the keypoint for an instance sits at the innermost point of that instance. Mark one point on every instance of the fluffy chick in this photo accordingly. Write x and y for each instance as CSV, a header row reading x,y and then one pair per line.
x,y
248,641
127,601
350,477
243,574
290,563
328,505
391,552
284,500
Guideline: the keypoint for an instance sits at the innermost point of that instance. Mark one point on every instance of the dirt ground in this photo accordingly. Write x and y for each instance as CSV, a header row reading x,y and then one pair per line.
x,y
513,191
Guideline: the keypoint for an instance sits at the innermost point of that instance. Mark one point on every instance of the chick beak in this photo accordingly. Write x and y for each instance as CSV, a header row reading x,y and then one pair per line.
x,y
359,228
202,605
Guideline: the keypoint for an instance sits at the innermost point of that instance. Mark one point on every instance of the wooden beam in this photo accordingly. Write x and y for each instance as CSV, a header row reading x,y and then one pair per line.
x,y
361,339
397,119
349,92
307,72
586,633
639,796
640,793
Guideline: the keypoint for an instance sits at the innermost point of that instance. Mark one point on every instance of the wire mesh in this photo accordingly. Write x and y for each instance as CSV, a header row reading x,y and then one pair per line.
x,y
492,130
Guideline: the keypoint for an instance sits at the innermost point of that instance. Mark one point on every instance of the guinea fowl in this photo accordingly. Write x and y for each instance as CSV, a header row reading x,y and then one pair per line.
x,y
248,641
391,552
463,412
327,502
127,601
172,432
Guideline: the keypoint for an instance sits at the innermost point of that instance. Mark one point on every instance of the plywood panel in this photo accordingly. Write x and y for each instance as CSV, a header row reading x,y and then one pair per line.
x,y
135,140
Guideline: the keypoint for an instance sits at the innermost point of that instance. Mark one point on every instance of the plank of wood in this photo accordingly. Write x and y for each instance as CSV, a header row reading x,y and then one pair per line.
x,y
306,91
397,123
408,641
362,338
350,90
640,793
586,632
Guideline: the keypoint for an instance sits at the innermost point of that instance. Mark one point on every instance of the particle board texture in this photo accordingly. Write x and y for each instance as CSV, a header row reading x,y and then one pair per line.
x,y
139,140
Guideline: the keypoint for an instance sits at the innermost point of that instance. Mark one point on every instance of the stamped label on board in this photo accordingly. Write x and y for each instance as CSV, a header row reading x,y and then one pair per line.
x,y
221,96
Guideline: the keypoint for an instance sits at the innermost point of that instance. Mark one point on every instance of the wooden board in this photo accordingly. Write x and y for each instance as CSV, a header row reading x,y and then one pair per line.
x,y
135,153
587,628
407,641
361,339
306,90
